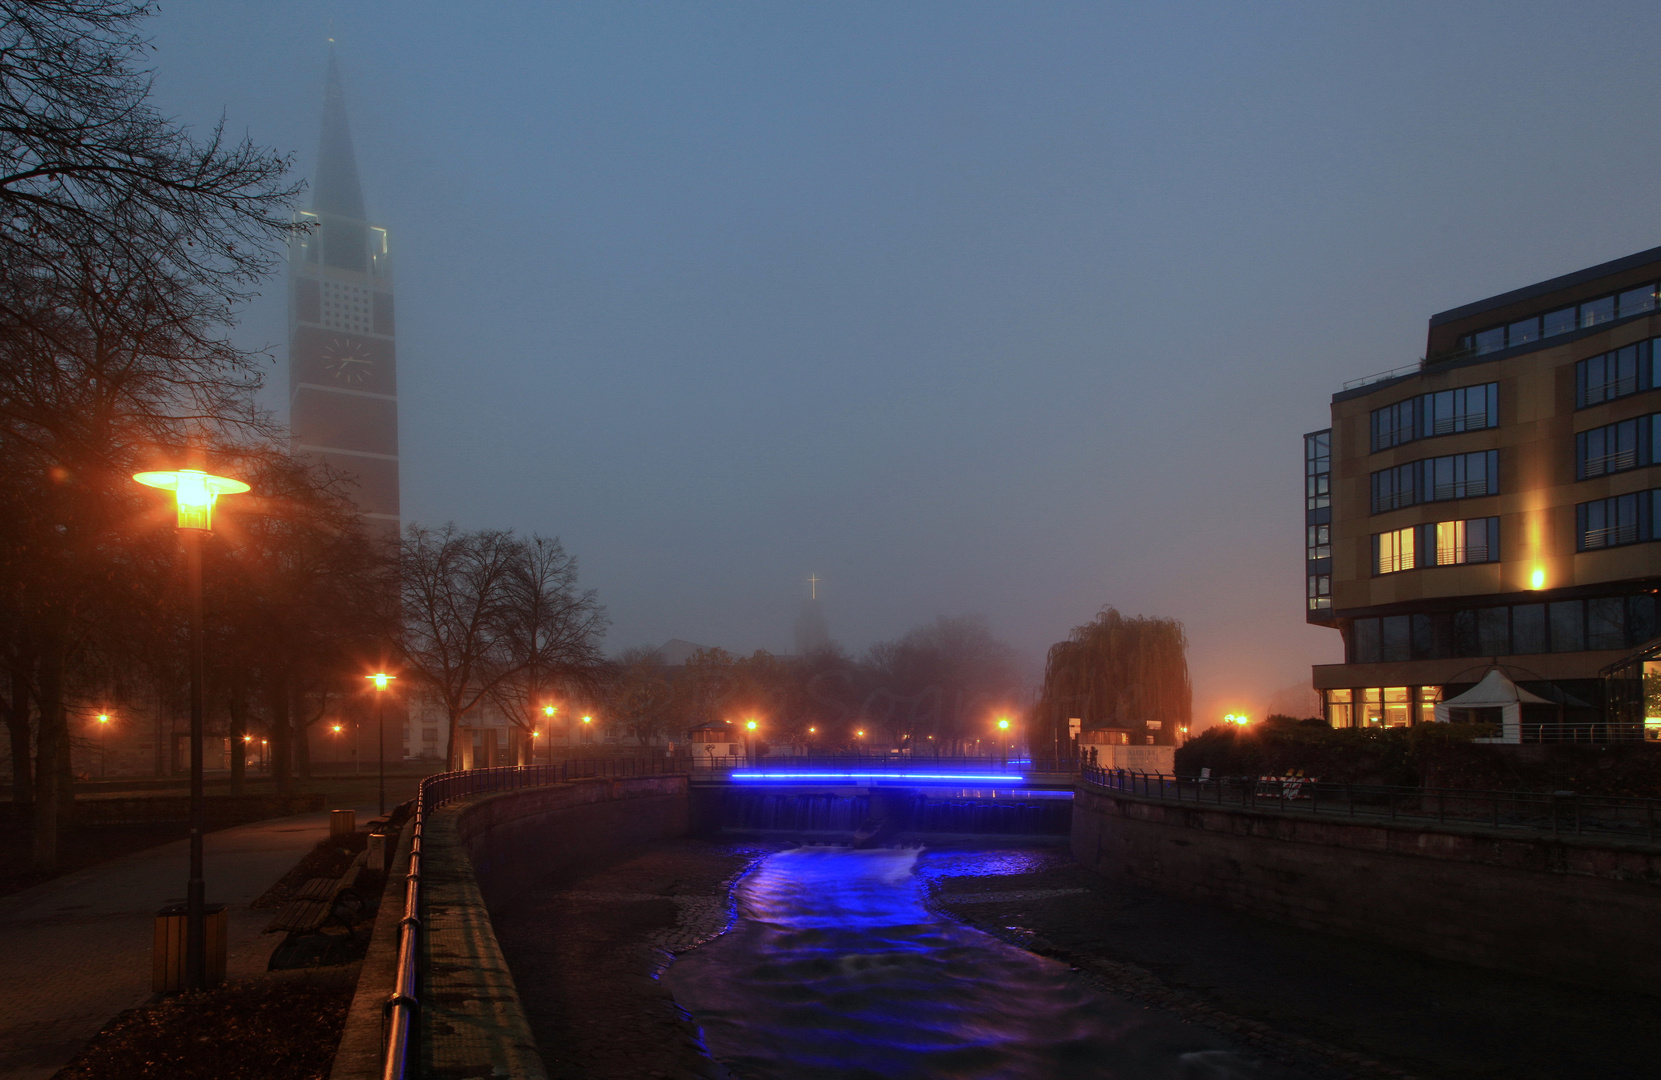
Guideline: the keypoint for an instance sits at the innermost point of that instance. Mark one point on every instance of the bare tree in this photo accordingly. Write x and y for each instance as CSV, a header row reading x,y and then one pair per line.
x,y
553,634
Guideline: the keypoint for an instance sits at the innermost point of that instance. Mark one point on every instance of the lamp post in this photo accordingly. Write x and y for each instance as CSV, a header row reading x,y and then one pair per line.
x,y
103,729
337,744
549,711
1003,730
749,742
381,679
194,493
587,720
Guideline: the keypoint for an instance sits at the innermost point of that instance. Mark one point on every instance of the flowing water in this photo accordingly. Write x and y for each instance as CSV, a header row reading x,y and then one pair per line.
x,y
836,968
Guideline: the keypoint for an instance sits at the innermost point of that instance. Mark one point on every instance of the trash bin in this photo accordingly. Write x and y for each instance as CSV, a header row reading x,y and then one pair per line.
x,y
342,824
380,853
168,955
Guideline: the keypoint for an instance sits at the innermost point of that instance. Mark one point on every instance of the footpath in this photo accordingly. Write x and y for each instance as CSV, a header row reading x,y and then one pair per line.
x,y
75,951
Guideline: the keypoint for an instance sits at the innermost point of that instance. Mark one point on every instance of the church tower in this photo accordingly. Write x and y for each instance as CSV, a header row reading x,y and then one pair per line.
x,y
342,368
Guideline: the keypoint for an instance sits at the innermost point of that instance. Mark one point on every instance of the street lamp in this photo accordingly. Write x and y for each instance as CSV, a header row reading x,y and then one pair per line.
x,y
194,494
1003,729
586,730
103,729
549,711
381,680
749,741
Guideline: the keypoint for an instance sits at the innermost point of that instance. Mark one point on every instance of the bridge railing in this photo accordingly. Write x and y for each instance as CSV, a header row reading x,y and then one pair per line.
x,y
1557,812
943,763
403,1006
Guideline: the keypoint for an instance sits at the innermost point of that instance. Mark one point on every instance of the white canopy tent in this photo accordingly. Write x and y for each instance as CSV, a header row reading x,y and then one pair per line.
x,y
1495,691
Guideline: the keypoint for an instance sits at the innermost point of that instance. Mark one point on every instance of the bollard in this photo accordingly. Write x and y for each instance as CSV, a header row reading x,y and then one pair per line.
x,y
167,953
342,824
379,858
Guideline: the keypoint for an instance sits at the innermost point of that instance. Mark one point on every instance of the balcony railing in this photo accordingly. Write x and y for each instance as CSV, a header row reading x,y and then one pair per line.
x,y
1608,463
1612,536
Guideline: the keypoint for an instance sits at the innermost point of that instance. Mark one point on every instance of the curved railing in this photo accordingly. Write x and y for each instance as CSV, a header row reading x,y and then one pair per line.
x,y
403,1006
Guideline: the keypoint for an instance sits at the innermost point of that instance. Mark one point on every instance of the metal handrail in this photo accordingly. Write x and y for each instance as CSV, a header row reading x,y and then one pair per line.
x,y
1553,812
403,1005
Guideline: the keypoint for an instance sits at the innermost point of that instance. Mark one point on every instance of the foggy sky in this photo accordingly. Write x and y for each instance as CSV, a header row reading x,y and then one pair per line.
x,y
1009,309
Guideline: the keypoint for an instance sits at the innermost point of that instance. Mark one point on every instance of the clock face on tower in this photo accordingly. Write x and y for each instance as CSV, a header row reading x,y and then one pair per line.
x,y
348,361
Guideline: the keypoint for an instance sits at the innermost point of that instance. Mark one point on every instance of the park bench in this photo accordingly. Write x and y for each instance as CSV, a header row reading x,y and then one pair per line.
x,y
320,901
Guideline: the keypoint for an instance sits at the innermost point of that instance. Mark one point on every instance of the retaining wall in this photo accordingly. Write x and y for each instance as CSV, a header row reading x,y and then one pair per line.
x,y
1571,909
478,853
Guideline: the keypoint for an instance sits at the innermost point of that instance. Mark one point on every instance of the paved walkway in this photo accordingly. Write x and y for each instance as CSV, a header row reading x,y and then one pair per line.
x,y
75,951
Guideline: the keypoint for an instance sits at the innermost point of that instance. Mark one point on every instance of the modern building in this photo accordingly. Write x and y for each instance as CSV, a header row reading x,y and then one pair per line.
x,y
342,364
1496,505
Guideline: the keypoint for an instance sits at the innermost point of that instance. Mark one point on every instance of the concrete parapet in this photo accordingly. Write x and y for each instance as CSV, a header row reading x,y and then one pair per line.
x,y
1568,908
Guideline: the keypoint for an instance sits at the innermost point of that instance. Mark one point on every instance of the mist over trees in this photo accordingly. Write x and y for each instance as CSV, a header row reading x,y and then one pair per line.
x,y
937,688
1117,672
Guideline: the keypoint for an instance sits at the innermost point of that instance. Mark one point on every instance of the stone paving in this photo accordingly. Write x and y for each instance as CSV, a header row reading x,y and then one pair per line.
x,y
75,951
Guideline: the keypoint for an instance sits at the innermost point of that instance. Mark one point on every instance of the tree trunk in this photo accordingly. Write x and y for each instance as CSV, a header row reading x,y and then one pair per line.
x,y
238,706
17,724
302,742
281,762
51,744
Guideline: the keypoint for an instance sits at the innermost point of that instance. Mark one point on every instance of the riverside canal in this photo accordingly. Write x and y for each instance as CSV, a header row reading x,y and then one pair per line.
x,y
835,968
596,958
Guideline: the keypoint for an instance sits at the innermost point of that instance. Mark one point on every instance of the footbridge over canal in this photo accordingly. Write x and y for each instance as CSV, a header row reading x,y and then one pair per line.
x,y
885,800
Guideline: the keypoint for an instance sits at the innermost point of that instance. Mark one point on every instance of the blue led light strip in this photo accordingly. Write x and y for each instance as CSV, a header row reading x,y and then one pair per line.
x,y
1004,778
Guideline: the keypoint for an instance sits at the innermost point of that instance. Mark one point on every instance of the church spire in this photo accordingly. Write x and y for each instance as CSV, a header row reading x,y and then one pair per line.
x,y
337,190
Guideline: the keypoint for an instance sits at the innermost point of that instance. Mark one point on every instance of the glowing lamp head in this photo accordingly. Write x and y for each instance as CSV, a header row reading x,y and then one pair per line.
x,y
337,729
380,679
535,734
548,710
811,730
751,725
1003,725
859,734
1237,718
1537,580
103,718
195,492
588,719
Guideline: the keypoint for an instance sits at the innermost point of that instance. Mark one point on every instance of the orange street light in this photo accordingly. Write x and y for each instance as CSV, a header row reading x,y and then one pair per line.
x,y
549,710
194,495
381,679
103,727
751,725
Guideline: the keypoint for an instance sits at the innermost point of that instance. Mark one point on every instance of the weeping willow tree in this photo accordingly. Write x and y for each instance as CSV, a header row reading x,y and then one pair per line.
x,y
1115,672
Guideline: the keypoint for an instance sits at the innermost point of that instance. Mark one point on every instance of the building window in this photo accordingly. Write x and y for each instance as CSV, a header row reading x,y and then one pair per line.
x,y
1320,592
1317,469
1596,312
1441,543
1393,550
1615,374
1474,541
1623,519
1613,622
1429,697
1445,412
1319,542
1340,708
1456,476
1617,447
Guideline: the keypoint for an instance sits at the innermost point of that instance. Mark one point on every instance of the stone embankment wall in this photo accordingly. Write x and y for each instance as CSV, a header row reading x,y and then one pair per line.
x,y
1571,909
479,853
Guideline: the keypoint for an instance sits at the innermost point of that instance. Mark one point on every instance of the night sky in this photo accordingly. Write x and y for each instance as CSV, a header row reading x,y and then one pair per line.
x,y
1006,309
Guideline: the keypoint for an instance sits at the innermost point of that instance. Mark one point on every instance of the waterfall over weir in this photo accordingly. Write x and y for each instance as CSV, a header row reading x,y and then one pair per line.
x,y
899,811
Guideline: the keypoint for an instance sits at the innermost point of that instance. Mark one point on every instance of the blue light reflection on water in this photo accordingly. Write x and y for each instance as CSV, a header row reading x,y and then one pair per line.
x,y
836,968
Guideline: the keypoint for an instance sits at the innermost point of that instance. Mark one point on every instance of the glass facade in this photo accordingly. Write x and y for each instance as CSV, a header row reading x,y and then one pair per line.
x,y
1590,313
1317,517
1611,622
1381,706
1617,447
1439,479
1634,518
1439,543
1615,374
1445,412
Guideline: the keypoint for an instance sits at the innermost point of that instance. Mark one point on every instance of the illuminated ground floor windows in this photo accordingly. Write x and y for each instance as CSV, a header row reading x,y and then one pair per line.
x,y
1382,706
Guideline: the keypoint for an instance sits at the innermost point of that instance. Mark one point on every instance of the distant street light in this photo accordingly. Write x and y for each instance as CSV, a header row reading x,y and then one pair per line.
x,y
381,679
749,741
548,711
103,729
194,495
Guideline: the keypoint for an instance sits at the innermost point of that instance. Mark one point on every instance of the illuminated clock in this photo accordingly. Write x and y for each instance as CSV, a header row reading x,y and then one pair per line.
x,y
347,361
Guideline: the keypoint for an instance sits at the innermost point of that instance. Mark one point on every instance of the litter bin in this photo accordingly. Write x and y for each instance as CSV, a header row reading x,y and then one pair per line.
x,y
168,955
342,824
